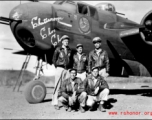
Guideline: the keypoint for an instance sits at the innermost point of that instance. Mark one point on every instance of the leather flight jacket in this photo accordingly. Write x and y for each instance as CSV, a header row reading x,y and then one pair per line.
x,y
90,87
66,90
60,58
80,64
101,61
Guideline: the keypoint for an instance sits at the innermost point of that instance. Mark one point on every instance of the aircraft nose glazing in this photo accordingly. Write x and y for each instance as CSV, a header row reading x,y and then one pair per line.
x,y
16,13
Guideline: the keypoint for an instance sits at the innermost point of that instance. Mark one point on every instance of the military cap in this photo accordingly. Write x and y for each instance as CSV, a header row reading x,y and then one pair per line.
x,y
96,39
65,37
72,69
95,68
79,45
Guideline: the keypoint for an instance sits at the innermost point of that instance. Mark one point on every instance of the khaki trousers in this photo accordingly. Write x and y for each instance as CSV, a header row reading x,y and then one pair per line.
x,y
60,75
81,98
101,97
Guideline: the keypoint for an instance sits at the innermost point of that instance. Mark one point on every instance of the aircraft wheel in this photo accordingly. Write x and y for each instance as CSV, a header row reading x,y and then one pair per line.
x,y
35,91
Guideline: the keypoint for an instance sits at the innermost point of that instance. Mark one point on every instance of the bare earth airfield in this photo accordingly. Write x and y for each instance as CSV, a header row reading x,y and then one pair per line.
x,y
129,98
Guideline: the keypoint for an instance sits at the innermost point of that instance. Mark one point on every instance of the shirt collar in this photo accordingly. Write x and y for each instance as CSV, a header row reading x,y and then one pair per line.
x,y
72,80
96,77
79,54
64,47
99,50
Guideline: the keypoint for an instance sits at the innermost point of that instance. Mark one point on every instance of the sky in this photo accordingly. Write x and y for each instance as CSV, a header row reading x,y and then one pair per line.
x,y
133,10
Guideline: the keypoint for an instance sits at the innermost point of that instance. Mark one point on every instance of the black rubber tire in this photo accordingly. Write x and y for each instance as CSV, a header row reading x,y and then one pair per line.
x,y
35,91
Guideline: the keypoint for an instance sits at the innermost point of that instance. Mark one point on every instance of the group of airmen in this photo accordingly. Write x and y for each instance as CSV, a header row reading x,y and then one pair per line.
x,y
83,85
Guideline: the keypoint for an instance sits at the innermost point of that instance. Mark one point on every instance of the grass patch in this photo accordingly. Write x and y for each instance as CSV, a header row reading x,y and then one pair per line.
x,y
9,78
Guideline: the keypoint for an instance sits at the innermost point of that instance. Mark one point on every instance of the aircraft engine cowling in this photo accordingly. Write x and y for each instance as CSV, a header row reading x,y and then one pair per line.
x,y
26,36
146,33
32,26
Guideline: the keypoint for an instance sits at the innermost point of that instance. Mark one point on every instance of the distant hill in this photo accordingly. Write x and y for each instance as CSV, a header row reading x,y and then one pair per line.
x,y
9,77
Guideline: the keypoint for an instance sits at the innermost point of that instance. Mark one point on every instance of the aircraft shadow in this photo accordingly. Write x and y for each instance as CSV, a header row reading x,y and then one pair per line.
x,y
142,92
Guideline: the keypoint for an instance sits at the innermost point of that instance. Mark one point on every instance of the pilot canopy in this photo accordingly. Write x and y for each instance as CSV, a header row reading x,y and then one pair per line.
x,y
106,7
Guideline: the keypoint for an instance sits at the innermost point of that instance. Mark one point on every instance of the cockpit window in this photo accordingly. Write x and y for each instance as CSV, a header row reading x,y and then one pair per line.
x,y
93,12
82,9
58,2
106,7
71,2
70,6
64,1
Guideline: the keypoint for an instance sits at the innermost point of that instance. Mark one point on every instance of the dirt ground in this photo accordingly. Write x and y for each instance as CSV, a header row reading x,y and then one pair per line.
x,y
125,104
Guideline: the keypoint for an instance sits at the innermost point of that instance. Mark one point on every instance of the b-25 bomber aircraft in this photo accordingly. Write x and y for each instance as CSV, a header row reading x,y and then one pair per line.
x,y
38,28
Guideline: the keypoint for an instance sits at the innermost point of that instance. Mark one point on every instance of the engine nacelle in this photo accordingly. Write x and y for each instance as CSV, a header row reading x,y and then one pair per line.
x,y
36,28
146,33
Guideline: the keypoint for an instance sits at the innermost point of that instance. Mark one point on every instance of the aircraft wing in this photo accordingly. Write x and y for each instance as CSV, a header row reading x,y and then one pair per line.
x,y
15,51
121,26
21,52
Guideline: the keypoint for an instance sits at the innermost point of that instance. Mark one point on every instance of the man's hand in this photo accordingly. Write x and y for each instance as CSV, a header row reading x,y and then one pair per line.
x,y
70,101
96,90
74,96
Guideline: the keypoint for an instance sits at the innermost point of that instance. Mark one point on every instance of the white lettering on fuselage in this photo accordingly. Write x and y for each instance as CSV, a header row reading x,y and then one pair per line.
x,y
37,21
55,39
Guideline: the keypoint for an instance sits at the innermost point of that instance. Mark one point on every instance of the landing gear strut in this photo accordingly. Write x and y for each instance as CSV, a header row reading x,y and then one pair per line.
x,y
35,90
24,66
38,69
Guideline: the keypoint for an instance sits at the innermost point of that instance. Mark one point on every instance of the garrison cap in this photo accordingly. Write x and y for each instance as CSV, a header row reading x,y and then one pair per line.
x,y
72,69
65,37
94,68
79,45
96,39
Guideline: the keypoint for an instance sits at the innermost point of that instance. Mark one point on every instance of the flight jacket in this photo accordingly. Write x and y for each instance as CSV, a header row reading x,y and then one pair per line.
x,y
90,87
60,59
101,61
80,64
66,89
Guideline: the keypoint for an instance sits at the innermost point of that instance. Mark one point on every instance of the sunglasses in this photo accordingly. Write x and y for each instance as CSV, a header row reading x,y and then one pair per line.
x,y
96,42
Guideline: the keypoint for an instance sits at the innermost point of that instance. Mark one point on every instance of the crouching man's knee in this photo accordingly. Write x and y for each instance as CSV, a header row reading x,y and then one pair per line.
x,y
90,101
82,98
83,95
62,100
106,91
103,94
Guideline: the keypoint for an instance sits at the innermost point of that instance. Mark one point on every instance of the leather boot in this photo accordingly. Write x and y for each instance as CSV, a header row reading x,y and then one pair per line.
x,y
82,109
56,107
101,108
